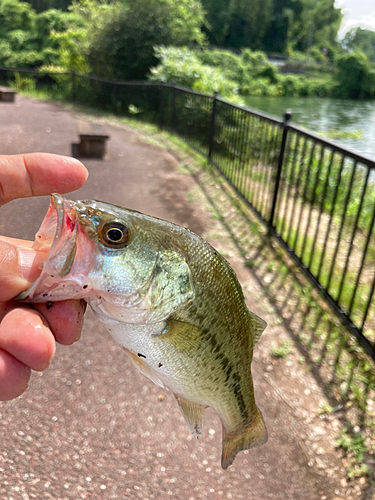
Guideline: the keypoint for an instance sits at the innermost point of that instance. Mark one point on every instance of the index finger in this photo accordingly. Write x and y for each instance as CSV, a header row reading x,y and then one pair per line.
x,y
37,174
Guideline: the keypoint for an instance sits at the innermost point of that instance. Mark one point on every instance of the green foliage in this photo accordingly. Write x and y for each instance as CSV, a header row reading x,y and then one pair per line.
x,y
249,73
240,68
276,26
50,22
333,194
282,350
326,24
362,39
72,47
43,5
237,23
116,39
354,443
29,39
217,20
249,23
299,62
184,67
15,15
254,60
299,85
24,83
354,75
122,44
261,86
344,134
230,64
314,24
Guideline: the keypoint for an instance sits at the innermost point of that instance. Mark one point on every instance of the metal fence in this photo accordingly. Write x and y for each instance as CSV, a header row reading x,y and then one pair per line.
x,y
316,198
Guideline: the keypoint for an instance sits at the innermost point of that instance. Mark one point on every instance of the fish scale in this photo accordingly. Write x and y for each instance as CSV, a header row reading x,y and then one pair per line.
x,y
168,298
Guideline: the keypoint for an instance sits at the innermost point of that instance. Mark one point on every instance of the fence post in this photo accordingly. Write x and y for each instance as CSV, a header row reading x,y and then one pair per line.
x,y
212,128
35,76
287,117
74,90
114,98
162,105
173,101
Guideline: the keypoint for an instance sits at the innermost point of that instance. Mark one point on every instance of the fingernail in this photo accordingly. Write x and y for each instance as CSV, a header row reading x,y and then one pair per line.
x,y
29,262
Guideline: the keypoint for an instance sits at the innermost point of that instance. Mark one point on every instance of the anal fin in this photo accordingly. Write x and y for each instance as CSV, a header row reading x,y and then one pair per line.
x,y
252,434
193,415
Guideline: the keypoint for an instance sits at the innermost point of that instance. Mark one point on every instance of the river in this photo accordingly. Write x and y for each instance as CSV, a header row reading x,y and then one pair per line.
x,y
346,122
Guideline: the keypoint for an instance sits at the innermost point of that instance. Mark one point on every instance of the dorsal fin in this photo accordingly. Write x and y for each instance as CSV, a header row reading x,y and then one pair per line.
x,y
257,326
193,415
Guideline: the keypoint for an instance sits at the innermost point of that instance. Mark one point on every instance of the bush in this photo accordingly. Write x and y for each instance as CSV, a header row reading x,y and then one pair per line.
x,y
261,86
243,68
24,83
122,47
295,85
292,85
229,63
354,75
254,59
207,71
182,66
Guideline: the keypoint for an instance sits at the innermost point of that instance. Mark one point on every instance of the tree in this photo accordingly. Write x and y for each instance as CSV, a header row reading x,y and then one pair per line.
x,y
50,22
121,45
355,77
317,24
273,25
43,5
327,21
15,15
249,23
362,39
217,20
28,39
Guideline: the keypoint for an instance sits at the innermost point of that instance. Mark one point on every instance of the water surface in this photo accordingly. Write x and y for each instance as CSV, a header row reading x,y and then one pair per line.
x,y
325,116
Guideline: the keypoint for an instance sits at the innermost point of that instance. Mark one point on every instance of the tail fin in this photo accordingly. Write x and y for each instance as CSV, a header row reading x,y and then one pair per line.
x,y
253,434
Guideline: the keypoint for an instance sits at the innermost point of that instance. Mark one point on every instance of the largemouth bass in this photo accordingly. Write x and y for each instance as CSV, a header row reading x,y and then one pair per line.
x,y
168,298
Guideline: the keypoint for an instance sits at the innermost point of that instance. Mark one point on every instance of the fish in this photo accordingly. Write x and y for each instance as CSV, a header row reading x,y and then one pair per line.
x,y
168,298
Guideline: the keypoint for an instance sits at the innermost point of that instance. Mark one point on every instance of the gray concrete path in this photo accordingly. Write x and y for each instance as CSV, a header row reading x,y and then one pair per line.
x,y
91,426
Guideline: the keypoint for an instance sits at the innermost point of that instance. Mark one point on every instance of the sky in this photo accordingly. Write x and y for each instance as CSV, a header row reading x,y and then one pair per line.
x,y
357,13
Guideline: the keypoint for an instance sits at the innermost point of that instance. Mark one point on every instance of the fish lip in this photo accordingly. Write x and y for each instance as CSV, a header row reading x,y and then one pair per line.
x,y
57,238
65,212
58,203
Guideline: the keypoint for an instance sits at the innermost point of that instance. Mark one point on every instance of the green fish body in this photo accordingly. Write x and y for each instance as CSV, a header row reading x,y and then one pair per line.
x,y
169,299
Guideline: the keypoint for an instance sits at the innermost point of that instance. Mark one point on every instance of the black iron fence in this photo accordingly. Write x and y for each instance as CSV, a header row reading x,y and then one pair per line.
x,y
316,198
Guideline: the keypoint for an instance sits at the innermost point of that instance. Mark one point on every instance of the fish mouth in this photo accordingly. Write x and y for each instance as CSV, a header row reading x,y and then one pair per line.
x,y
52,225
57,237
58,231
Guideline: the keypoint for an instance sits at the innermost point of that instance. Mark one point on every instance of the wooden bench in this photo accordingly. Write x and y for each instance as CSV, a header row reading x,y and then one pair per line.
x,y
6,94
93,139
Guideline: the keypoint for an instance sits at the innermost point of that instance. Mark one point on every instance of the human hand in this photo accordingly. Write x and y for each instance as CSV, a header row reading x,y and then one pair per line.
x,y
28,333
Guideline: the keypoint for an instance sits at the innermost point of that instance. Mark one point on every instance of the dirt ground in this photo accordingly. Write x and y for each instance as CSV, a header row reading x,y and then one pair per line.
x,y
93,427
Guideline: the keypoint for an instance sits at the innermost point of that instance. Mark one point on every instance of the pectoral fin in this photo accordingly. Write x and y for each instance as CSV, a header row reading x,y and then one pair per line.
x,y
252,434
144,368
193,415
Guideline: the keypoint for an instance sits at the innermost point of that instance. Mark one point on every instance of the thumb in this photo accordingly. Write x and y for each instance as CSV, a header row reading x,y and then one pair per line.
x,y
18,267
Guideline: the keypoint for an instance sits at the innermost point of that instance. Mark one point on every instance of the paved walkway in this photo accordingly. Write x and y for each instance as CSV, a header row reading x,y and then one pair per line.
x,y
90,426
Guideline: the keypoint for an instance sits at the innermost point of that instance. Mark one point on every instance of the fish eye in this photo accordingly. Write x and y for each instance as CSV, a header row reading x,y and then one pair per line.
x,y
115,234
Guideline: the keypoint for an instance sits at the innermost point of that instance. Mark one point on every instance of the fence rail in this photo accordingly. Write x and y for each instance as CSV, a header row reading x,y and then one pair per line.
x,y
316,197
